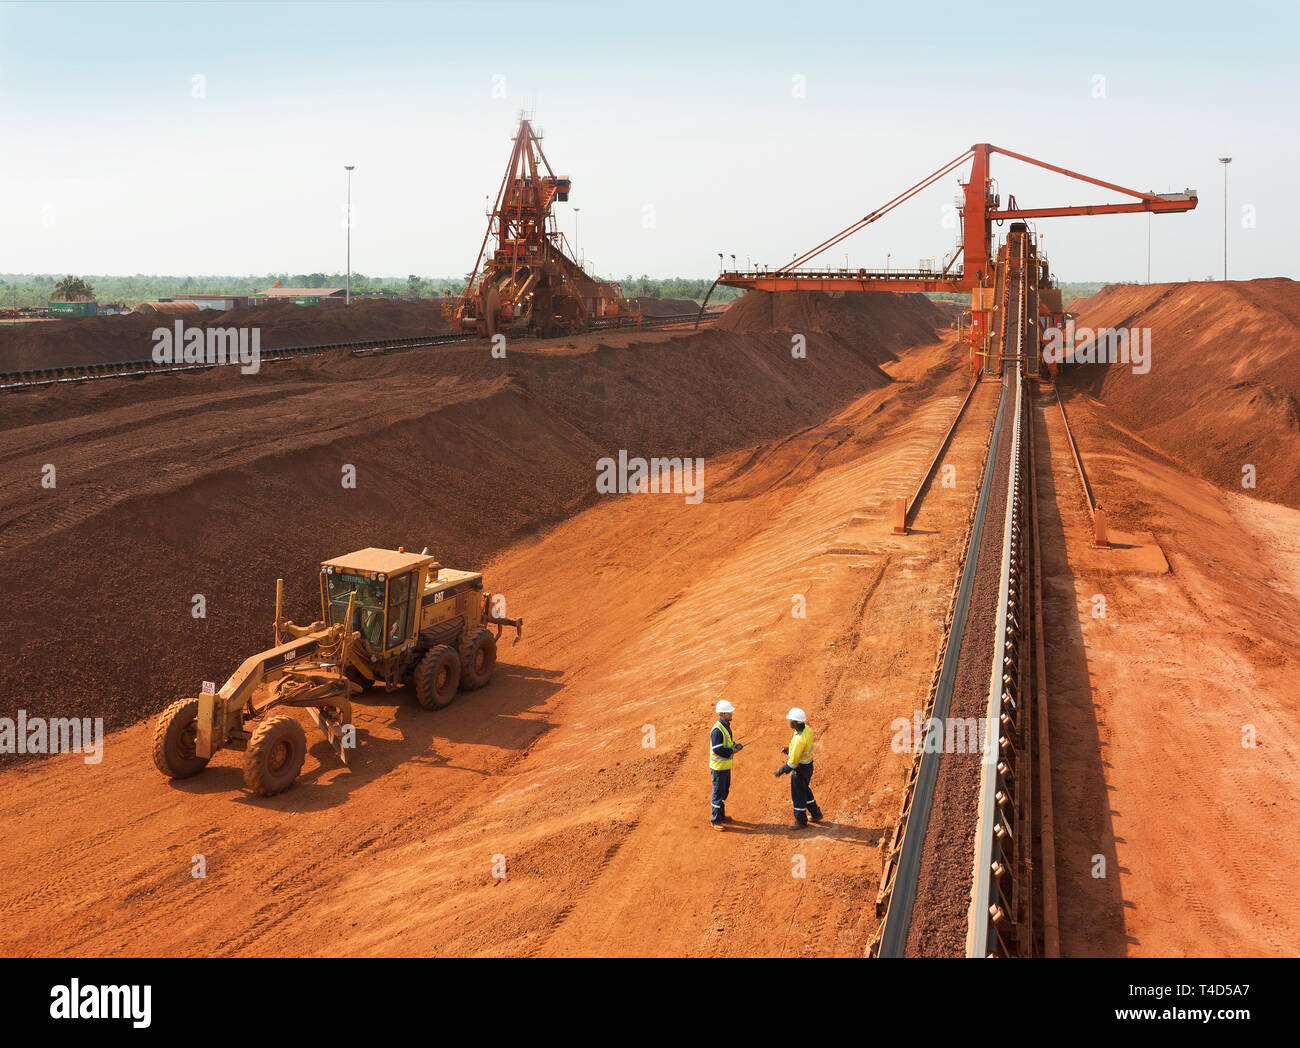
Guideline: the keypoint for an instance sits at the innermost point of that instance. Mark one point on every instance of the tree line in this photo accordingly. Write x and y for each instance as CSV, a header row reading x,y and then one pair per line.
x,y
19,290
36,289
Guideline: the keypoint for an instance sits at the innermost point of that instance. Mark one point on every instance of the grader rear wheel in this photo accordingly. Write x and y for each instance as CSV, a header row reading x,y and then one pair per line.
x,y
174,734
274,756
437,677
478,659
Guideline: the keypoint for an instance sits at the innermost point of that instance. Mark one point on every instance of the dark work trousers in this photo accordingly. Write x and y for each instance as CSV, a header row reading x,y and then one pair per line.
x,y
721,787
801,795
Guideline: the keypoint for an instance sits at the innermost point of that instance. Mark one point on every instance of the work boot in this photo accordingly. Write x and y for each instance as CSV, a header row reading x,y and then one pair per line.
x,y
798,824
815,814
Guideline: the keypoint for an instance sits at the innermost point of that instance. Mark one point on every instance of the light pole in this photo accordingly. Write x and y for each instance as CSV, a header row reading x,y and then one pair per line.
x,y
1148,247
1225,161
348,294
575,229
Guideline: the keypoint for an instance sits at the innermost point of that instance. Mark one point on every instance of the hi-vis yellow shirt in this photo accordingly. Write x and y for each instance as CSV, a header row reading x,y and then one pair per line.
x,y
801,747
717,763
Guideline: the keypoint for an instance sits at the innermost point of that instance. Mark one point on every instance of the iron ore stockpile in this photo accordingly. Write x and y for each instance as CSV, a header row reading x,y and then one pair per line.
x,y
498,453
102,339
647,610
1222,399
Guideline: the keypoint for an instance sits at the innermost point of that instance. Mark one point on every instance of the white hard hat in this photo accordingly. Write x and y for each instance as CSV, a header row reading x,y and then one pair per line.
x,y
725,707
796,714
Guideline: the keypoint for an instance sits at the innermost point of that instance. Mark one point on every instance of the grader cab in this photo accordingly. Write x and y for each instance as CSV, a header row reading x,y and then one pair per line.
x,y
419,623
388,618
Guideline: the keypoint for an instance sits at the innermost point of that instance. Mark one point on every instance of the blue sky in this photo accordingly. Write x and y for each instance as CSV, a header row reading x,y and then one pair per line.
x,y
678,123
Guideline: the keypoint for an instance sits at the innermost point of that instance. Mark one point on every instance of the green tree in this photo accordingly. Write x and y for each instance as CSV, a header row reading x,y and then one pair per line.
x,y
73,289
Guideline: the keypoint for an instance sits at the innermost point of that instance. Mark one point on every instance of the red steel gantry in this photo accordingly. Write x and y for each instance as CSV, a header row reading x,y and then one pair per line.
x,y
529,282
981,207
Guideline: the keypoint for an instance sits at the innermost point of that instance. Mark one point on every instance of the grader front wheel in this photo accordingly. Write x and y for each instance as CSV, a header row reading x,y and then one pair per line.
x,y
274,756
174,734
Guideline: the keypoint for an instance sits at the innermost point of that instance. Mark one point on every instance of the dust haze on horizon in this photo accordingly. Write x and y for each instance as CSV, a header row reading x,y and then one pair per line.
x,y
210,139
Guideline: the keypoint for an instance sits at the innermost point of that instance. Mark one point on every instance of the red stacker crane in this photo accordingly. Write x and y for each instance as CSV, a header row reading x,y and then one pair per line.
x,y
973,266
529,282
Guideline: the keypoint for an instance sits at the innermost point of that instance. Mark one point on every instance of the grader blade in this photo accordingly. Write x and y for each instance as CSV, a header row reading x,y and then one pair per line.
x,y
334,726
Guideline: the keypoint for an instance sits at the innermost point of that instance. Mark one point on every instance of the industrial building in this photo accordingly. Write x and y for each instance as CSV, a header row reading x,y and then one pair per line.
x,y
301,296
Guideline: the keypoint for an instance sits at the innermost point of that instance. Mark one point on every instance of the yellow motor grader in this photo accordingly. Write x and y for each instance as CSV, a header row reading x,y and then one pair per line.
x,y
388,618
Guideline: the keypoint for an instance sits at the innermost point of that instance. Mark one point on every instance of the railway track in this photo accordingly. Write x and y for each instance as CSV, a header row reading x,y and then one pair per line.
x,y
72,374
960,874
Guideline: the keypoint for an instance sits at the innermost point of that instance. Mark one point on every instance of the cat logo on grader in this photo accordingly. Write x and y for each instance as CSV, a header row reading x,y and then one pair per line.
x,y
388,618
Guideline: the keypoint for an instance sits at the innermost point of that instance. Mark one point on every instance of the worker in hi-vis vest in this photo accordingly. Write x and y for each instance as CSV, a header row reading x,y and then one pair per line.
x,y
721,747
799,766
